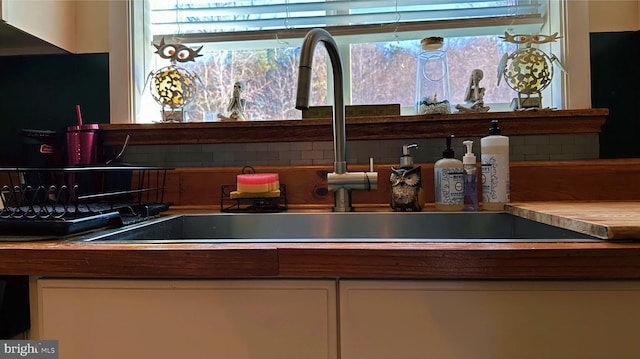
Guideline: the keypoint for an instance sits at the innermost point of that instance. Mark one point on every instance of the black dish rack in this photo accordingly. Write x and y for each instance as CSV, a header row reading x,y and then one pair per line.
x,y
69,200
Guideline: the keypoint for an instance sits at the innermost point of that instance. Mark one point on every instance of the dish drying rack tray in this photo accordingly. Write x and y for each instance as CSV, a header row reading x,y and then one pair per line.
x,y
252,205
66,200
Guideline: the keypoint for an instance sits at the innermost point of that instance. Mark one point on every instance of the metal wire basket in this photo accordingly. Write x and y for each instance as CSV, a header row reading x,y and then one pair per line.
x,y
69,199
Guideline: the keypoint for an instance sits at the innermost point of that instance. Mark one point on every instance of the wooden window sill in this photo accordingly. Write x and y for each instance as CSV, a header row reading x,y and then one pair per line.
x,y
359,128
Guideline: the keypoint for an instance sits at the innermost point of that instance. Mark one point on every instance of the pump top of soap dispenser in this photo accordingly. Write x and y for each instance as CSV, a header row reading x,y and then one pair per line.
x,y
469,158
494,129
406,161
449,152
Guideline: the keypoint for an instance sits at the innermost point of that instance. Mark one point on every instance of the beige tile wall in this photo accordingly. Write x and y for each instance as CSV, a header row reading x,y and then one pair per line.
x,y
522,148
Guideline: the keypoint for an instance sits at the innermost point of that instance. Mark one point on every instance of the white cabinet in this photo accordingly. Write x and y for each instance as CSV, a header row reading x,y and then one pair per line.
x,y
47,27
489,320
229,319
280,319
51,21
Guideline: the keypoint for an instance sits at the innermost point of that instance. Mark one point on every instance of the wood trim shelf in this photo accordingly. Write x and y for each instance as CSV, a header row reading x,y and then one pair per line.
x,y
359,128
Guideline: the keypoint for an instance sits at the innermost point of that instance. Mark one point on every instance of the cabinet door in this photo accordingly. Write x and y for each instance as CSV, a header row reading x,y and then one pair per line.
x,y
51,21
489,320
189,319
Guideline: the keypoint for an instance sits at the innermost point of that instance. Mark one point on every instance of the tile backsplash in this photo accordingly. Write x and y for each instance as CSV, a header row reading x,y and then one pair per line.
x,y
522,148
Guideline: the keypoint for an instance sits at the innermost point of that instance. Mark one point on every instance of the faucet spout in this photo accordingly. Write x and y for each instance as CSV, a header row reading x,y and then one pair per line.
x,y
304,88
340,181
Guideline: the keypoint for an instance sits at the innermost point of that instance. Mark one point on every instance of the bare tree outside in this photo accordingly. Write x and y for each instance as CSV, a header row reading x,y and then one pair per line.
x,y
378,73
381,73
270,77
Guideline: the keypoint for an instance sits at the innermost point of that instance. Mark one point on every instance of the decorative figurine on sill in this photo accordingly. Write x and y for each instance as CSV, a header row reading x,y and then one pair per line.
x,y
174,87
429,105
236,105
406,189
528,70
474,95
406,184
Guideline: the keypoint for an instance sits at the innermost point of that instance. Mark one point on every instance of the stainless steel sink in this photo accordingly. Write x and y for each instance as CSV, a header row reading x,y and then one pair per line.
x,y
338,227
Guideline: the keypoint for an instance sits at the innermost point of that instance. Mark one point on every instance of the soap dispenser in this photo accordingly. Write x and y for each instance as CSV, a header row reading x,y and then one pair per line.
x,y
470,178
406,184
449,181
494,150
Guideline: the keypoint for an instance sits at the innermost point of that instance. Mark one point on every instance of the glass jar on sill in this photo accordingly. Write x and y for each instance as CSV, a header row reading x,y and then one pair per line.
x,y
432,80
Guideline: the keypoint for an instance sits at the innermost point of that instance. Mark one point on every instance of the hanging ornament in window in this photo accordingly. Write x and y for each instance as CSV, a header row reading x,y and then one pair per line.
x,y
174,87
528,70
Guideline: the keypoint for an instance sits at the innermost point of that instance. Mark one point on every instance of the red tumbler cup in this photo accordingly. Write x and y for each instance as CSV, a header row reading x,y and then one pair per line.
x,y
82,144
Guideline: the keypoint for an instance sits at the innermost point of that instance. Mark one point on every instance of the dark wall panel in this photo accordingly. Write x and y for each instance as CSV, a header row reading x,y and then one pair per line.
x,y
615,84
41,92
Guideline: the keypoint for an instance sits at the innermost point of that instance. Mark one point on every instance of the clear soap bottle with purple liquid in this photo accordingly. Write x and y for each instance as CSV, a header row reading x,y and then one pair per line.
x,y
470,178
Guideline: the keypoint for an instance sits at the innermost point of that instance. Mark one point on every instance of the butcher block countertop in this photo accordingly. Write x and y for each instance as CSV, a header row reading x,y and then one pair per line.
x,y
609,258
612,220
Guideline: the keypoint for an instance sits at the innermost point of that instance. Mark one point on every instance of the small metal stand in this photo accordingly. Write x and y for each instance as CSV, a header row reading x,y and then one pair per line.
x,y
252,205
526,103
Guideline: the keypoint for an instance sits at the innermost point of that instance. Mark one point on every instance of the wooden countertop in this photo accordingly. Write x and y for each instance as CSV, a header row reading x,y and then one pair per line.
x,y
606,220
584,260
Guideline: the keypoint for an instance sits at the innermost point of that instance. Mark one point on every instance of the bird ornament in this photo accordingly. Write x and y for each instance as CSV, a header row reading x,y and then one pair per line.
x,y
172,86
528,70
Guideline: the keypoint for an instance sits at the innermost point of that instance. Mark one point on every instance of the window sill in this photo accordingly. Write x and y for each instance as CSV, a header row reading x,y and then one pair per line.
x,y
359,128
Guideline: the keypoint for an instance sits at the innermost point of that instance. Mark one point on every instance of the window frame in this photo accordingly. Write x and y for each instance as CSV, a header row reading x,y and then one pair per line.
x,y
573,90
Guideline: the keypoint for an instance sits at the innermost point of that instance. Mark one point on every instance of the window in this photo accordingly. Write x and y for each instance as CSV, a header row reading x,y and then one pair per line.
x,y
257,42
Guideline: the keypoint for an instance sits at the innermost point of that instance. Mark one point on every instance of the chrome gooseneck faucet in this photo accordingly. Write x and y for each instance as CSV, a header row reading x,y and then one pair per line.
x,y
340,181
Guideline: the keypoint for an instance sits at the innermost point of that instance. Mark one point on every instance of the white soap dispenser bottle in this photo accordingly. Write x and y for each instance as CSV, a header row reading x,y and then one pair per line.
x,y
448,181
494,149
470,178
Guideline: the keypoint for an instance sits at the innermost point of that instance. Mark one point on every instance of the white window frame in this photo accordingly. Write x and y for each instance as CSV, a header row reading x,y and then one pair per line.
x,y
573,91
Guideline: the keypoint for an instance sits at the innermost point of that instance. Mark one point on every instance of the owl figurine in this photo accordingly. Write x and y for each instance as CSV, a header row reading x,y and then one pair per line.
x,y
173,87
406,189
528,70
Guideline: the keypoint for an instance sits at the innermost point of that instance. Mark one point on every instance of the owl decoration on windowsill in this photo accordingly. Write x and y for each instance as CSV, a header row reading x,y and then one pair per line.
x,y
528,70
174,87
